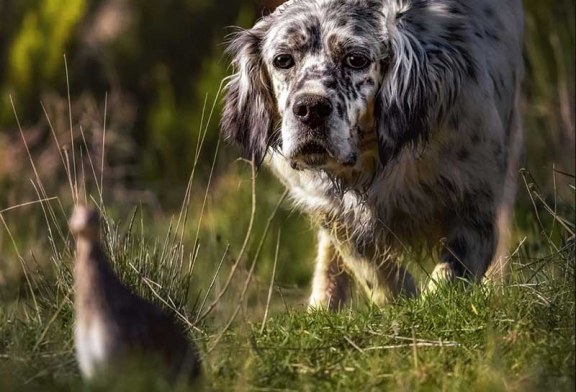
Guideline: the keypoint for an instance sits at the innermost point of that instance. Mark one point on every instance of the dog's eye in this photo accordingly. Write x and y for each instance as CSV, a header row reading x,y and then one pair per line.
x,y
356,61
283,61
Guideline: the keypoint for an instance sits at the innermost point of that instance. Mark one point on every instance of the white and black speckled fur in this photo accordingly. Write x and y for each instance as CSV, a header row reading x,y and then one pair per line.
x,y
422,146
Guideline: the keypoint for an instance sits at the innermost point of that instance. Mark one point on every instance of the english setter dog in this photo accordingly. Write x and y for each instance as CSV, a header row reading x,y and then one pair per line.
x,y
394,124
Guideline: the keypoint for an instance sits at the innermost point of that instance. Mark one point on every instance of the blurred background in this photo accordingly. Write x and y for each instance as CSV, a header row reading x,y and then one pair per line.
x,y
139,84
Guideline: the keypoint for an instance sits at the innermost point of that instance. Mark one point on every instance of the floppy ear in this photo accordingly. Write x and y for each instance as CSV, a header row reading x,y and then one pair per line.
x,y
426,63
247,117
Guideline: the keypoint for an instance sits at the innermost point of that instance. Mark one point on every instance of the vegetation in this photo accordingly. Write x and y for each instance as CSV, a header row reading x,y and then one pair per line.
x,y
516,337
128,120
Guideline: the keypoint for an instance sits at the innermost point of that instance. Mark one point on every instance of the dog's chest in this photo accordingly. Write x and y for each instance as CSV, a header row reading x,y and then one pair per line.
x,y
399,203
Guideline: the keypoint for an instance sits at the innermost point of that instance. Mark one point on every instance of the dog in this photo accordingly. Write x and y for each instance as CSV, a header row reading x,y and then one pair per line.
x,y
395,125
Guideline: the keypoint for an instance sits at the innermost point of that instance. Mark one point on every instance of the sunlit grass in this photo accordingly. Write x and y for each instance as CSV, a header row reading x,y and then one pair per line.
x,y
254,335
233,263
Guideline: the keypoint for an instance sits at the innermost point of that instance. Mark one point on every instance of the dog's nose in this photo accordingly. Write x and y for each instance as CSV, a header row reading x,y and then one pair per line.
x,y
312,110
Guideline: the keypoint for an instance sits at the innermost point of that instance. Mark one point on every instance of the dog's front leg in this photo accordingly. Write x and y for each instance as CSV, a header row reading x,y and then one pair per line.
x,y
467,254
376,270
330,285
382,278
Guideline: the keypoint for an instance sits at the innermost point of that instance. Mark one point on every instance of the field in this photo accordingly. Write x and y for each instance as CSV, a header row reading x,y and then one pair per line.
x,y
198,232
255,334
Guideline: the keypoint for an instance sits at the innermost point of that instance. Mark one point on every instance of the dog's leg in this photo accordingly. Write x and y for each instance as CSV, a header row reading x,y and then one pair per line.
x,y
380,276
385,281
499,268
330,284
467,254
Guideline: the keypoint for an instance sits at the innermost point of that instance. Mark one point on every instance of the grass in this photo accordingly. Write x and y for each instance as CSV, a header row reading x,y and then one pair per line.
x,y
238,280
458,341
256,334
519,337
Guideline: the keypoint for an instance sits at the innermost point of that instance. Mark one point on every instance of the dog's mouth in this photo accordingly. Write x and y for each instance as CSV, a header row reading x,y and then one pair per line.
x,y
309,154
314,155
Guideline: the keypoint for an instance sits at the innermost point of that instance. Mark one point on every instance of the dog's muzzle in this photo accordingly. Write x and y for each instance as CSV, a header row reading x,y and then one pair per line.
x,y
313,150
312,113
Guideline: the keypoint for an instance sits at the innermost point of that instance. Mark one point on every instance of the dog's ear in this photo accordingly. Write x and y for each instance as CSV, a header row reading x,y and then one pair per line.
x,y
422,74
248,112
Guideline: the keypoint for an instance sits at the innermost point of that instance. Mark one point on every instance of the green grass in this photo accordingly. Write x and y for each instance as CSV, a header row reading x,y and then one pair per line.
x,y
510,339
236,275
519,337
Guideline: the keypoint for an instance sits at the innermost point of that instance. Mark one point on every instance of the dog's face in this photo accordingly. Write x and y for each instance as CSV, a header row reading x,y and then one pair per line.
x,y
326,83
325,68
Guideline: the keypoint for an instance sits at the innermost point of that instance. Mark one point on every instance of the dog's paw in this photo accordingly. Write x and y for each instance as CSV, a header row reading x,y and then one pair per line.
x,y
442,276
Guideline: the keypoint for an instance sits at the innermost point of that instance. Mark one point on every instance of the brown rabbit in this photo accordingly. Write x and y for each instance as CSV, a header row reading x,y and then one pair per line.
x,y
114,327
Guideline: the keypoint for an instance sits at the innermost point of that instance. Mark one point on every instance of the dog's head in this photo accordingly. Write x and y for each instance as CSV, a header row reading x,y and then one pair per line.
x,y
325,82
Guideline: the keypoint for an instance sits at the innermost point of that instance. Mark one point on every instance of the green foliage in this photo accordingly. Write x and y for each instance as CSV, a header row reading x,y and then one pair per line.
x,y
179,120
37,49
177,128
517,337
165,58
550,86
36,52
227,219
